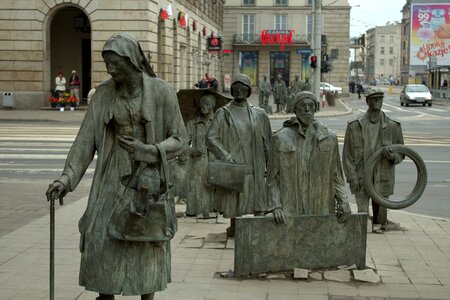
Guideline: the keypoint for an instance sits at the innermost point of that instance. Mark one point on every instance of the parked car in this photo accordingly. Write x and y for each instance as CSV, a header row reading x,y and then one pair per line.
x,y
415,94
330,88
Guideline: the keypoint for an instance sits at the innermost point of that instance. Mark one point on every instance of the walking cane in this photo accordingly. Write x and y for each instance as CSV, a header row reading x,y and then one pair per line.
x,y
52,245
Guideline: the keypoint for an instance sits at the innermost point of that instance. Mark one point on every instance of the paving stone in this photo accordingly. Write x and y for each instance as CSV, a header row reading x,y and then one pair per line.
x,y
230,244
214,245
216,237
339,275
367,275
301,273
316,275
276,276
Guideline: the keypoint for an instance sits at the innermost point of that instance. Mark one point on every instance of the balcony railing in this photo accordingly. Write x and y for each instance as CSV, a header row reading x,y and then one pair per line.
x,y
252,38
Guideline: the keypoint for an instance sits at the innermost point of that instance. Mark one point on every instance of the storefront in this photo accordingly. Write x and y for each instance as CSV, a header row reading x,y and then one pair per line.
x,y
272,53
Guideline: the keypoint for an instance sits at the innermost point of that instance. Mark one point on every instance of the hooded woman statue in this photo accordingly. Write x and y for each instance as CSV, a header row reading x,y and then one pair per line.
x,y
134,117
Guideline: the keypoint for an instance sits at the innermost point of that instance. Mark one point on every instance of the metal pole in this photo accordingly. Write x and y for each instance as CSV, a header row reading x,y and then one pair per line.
x,y
52,249
317,47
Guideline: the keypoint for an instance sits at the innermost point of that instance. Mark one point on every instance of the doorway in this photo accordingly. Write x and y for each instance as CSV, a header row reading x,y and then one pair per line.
x,y
279,64
70,47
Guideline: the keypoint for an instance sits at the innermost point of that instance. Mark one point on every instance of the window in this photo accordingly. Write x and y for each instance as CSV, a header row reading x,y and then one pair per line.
x,y
382,62
404,45
391,38
281,2
248,27
281,22
391,50
382,38
309,2
248,2
391,62
382,50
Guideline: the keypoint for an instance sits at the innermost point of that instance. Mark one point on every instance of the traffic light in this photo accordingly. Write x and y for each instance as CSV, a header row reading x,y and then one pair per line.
x,y
313,61
326,67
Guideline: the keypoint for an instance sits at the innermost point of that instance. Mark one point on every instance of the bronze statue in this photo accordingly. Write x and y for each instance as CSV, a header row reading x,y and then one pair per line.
x,y
199,195
134,125
305,175
364,136
294,89
279,94
241,133
264,92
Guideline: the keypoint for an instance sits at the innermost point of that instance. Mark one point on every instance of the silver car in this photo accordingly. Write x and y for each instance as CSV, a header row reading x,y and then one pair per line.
x,y
415,94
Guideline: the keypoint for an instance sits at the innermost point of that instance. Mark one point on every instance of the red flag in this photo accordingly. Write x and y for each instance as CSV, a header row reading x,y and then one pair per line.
x,y
184,20
163,14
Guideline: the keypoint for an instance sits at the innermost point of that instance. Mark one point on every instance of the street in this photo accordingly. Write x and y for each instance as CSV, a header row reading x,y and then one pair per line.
x,y
32,154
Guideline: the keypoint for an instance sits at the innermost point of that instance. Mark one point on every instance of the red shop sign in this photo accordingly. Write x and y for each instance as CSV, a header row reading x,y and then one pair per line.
x,y
280,37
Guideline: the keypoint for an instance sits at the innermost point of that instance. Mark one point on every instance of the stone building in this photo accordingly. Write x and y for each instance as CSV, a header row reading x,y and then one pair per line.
x,y
254,31
383,60
40,38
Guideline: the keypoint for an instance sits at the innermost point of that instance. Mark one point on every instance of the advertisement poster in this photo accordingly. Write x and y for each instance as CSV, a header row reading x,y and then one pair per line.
x,y
430,34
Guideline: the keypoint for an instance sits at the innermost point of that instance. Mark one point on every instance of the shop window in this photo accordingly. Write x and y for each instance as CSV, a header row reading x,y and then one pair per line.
x,y
248,65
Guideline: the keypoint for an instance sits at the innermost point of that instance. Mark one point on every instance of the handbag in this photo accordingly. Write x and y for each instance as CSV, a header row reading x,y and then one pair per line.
x,y
226,175
144,214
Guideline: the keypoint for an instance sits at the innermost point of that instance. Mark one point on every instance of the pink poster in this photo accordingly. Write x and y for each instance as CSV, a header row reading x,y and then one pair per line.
x,y
430,34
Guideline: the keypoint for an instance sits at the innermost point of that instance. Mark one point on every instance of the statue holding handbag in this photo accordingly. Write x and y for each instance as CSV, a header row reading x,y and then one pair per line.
x,y
134,125
240,134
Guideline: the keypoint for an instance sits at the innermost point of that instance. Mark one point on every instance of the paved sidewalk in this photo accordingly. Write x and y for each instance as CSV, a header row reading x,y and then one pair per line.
x,y
413,263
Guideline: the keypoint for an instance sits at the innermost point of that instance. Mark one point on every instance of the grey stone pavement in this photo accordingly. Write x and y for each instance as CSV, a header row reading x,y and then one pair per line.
x,y
412,263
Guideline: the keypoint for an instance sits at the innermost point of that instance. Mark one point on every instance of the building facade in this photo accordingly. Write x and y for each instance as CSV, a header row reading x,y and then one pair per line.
x,y
41,38
383,58
271,37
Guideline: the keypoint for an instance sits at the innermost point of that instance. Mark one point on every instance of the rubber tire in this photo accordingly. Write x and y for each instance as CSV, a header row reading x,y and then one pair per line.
x,y
401,103
407,104
429,104
419,187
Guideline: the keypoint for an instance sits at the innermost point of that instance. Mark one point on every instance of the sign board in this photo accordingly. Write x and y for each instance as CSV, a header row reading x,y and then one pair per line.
x,y
304,51
214,44
430,34
280,37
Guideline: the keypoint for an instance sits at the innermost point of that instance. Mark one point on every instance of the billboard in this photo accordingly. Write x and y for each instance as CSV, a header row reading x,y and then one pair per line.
x,y
430,34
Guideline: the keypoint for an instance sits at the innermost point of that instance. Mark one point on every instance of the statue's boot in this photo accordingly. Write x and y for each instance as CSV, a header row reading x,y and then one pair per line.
x,y
147,296
231,229
105,297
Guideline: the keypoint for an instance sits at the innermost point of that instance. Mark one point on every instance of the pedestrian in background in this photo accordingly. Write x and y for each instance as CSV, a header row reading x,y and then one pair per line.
x,y
74,83
60,82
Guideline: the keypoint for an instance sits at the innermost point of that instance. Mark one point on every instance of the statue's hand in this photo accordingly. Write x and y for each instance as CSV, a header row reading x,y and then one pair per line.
x,y
343,212
355,186
130,144
388,153
196,152
279,216
56,190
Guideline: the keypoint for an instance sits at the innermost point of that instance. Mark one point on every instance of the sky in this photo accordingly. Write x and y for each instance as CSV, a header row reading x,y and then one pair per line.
x,y
371,13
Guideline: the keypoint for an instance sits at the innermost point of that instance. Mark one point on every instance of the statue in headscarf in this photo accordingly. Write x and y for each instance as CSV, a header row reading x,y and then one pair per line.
x,y
133,121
